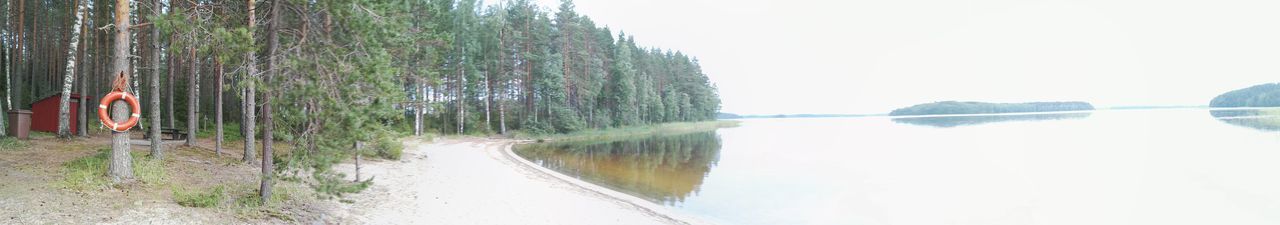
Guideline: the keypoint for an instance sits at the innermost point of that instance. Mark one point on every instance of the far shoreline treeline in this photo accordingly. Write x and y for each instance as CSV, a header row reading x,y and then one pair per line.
x,y
957,107
1262,95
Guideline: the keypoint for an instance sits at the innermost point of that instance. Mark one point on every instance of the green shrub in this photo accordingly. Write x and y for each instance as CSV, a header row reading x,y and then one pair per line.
x,y
200,199
389,148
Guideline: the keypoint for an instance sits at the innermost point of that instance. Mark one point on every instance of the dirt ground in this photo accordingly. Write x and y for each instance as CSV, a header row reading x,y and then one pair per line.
x,y
30,192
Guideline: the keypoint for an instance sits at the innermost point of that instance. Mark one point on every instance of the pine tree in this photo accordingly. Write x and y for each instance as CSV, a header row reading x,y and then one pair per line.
x,y
154,79
623,86
248,123
121,167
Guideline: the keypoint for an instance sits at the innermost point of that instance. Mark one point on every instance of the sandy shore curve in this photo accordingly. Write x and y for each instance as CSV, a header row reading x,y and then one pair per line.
x,y
481,181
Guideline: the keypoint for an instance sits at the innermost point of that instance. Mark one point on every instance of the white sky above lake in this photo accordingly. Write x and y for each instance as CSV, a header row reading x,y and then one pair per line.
x,y
863,56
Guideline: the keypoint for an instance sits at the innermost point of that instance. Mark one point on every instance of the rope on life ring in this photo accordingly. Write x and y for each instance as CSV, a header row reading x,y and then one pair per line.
x,y
118,93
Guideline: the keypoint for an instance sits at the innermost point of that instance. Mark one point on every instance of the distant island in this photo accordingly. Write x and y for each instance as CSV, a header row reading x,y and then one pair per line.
x,y
1263,95
736,116
956,107
959,121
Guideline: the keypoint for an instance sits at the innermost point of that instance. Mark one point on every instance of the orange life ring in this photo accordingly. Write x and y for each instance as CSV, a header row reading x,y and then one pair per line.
x,y
133,105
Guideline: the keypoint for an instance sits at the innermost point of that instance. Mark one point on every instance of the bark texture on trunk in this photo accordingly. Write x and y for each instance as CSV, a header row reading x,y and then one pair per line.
x,y
217,109
83,114
173,68
268,165
248,123
154,117
192,93
69,80
121,168
17,56
417,110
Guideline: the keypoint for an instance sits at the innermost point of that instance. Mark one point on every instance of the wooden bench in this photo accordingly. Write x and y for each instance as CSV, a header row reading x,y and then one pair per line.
x,y
172,134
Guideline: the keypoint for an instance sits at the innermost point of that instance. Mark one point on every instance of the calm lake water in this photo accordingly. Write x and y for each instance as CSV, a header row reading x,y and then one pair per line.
x,y
1179,166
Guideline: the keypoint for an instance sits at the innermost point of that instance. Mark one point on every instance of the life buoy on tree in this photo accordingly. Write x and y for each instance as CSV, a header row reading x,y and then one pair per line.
x,y
118,93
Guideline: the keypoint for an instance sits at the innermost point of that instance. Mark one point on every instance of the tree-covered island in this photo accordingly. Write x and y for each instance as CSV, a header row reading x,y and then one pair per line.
x,y
957,107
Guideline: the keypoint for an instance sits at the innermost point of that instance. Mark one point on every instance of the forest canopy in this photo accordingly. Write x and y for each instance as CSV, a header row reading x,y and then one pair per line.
x,y
1263,95
956,107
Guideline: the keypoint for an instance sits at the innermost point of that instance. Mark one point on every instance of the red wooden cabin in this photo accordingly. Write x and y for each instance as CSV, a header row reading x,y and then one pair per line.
x,y
44,113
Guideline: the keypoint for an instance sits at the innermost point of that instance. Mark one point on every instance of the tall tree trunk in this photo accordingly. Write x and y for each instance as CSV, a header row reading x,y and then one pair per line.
x,y
121,167
462,97
133,49
502,118
249,98
64,107
17,57
488,99
417,107
154,117
273,43
192,94
217,108
422,106
3,105
528,73
502,70
83,113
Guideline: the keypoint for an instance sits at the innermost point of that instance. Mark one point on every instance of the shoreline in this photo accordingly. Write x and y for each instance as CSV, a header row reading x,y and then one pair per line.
x,y
482,181
645,205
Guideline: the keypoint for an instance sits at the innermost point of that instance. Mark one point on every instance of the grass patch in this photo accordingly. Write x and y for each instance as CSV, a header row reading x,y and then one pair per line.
x,y
240,199
40,134
230,131
90,172
250,206
212,197
630,131
10,143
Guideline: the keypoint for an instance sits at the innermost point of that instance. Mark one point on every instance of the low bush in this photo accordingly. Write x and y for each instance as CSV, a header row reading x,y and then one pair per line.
x,y
212,197
389,148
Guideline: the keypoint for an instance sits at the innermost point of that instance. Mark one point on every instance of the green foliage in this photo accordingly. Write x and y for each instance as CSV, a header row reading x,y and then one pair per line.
x,y
335,185
953,107
389,148
624,89
89,172
1263,95
212,197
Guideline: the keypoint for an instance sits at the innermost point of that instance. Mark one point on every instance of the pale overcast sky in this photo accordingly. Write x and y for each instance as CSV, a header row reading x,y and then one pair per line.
x,y
863,56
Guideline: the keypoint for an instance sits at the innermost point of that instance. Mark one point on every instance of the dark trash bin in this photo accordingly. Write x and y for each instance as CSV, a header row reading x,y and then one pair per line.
x,y
20,123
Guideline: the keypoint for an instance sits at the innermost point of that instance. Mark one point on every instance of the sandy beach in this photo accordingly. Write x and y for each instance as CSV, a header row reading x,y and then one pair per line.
x,y
479,181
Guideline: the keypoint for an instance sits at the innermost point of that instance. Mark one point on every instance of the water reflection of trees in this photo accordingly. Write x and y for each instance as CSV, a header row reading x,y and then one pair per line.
x,y
1260,119
956,121
663,169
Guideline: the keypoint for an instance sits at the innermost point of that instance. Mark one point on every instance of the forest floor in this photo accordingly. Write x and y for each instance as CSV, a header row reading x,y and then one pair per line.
x,y
458,180
38,185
